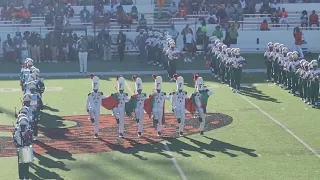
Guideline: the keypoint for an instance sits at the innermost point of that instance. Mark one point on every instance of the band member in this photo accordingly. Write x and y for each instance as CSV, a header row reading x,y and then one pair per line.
x,y
173,54
221,58
178,102
119,111
237,65
268,55
200,98
314,83
159,98
293,79
36,105
93,104
25,72
22,137
139,99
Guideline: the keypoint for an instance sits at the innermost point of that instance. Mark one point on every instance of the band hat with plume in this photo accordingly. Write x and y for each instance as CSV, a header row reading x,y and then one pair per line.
x,y
198,82
179,81
95,83
157,81
138,82
121,83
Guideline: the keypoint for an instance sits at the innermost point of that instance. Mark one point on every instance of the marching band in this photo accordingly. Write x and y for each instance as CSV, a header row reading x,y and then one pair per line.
x,y
298,77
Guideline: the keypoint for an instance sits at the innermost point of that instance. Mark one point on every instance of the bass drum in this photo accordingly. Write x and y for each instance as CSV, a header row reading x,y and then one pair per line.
x,y
25,154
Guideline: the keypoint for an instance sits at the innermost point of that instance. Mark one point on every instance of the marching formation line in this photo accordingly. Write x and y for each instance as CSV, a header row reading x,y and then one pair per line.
x,y
166,147
113,73
282,126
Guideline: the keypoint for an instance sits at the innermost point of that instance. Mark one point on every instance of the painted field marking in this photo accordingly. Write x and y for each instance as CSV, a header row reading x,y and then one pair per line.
x,y
236,109
166,147
283,109
306,109
282,126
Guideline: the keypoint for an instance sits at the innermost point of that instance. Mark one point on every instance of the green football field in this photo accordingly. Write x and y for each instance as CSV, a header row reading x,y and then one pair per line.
x,y
262,133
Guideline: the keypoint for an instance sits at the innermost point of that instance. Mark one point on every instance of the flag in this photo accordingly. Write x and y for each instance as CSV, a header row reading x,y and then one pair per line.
x,y
190,104
110,102
131,105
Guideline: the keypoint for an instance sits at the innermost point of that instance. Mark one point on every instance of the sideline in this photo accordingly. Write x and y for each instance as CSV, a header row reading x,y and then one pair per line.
x,y
166,147
281,125
113,73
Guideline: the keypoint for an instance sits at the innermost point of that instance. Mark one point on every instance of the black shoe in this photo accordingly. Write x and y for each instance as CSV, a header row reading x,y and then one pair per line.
x,y
159,134
139,134
200,119
179,120
180,133
92,120
120,135
156,121
201,133
137,120
96,136
118,121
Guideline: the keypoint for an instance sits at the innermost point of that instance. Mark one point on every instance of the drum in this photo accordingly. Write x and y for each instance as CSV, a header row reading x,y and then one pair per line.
x,y
25,154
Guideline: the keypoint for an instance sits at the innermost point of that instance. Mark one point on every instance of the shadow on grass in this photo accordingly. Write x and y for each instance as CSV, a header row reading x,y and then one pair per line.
x,y
257,94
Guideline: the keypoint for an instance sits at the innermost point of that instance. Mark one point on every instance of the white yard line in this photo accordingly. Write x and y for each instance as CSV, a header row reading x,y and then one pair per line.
x,y
282,126
166,147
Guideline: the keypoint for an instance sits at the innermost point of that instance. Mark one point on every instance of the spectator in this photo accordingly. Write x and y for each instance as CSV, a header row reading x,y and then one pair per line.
x,y
274,6
65,47
47,48
251,7
121,42
173,10
8,48
68,13
134,13
265,7
283,16
195,6
107,42
35,49
82,46
49,19
4,15
230,10
122,17
227,39
239,13
183,11
98,6
304,18
17,15
95,17
298,40
184,32
243,4
85,15
204,28
160,5
233,32
32,8
141,42
17,43
142,23
200,36
106,20
173,32
212,19
264,26
275,18
40,8
25,16
222,16
314,19
217,32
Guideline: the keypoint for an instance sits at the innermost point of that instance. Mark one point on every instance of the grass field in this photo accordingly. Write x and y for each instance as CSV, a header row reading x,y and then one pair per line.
x,y
272,135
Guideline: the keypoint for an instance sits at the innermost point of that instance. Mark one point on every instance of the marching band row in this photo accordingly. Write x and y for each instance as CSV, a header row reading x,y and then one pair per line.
x,y
225,63
298,76
26,128
136,105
